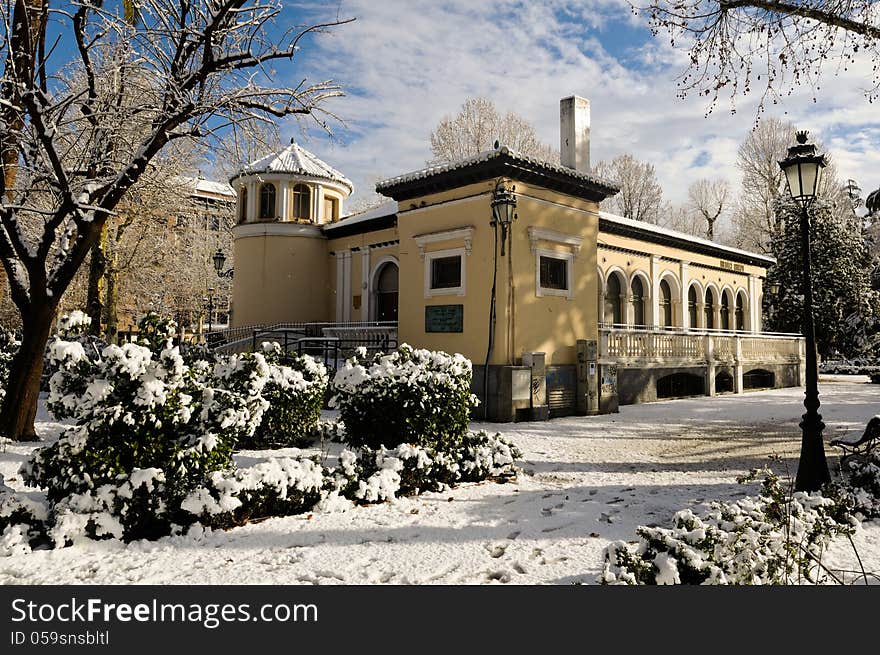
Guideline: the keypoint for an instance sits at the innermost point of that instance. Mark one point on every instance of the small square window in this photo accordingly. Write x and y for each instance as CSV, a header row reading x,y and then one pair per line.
x,y
446,272
554,273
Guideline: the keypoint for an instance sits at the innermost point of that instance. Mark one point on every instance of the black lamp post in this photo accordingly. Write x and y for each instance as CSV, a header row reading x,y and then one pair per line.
x,y
803,170
210,301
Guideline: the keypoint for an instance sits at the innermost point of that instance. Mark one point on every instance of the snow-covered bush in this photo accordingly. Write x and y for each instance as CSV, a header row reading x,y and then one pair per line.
x,y
133,506
411,396
139,410
367,476
774,538
73,325
483,456
22,521
295,393
278,487
862,475
156,332
8,348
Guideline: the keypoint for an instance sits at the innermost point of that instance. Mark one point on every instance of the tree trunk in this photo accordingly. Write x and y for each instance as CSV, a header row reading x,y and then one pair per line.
x,y
19,408
97,277
111,302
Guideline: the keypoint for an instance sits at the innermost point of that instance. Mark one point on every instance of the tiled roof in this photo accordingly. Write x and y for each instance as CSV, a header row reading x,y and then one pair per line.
x,y
489,155
296,160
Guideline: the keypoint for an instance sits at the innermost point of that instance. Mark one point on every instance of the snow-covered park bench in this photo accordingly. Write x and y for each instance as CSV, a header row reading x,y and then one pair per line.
x,y
859,443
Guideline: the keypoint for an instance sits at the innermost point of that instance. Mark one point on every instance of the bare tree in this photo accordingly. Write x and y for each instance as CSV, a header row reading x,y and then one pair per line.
x,y
709,199
640,196
198,66
683,218
778,46
755,221
477,126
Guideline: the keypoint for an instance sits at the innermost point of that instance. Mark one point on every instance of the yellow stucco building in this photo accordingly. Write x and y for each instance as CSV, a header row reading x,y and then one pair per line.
x,y
573,309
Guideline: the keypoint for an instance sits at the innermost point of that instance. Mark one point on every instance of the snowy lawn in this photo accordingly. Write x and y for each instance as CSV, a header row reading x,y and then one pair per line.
x,y
585,482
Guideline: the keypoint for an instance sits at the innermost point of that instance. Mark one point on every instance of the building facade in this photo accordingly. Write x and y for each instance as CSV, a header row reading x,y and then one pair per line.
x,y
564,309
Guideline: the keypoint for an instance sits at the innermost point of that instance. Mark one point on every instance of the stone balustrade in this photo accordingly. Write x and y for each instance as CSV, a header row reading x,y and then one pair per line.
x,y
628,346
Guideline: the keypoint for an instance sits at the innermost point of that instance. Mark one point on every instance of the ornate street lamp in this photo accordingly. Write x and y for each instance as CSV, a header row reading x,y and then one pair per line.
x,y
803,171
219,261
503,210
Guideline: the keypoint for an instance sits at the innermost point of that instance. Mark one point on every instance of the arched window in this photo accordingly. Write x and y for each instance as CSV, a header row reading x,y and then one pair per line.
x,y
613,307
386,293
267,201
638,302
302,203
242,205
710,310
665,304
692,307
740,311
725,311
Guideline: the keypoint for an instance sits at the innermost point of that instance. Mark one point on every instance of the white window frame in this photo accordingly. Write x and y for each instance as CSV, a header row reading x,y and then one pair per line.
x,y
440,254
568,258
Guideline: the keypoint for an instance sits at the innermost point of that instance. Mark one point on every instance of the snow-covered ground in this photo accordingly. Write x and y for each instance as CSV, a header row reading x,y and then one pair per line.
x,y
585,482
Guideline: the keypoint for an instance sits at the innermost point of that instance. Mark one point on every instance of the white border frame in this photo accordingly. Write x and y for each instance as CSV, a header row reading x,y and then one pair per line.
x,y
439,254
568,258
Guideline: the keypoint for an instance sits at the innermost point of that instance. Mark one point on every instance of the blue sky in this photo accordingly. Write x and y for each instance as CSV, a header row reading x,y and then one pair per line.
x,y
405,64
408,63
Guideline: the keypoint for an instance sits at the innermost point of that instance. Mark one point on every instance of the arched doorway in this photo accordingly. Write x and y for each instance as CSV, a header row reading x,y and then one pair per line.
x,y
692,307
613,306
725,311
665,304
385,292
709,321
740,311
638,302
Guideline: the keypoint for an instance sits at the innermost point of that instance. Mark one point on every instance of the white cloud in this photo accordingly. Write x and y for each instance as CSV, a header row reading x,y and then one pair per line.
x,y
406,64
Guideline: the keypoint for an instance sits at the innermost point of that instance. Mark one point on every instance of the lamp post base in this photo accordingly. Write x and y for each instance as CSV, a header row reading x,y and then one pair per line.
x,y
812,471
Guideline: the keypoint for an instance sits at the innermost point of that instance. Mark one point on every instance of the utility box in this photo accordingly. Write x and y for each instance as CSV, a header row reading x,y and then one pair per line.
x,y
540,409
608,398
587,377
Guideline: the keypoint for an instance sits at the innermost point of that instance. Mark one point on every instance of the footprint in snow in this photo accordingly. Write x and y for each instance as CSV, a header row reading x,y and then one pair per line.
x,y
498,576
496,550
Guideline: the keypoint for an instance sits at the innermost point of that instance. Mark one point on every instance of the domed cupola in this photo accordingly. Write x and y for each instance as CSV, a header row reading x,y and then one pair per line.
x,y
292,185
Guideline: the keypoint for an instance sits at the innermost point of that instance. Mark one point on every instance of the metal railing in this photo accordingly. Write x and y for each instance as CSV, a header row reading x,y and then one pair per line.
x,y
326,341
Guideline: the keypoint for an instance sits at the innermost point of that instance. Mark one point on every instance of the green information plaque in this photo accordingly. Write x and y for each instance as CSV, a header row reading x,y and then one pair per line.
x,y
444,318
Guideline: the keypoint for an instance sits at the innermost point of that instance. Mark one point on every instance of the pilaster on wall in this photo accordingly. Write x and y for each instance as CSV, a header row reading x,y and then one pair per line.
x,y
284,190
365,284
343,286
655,290
252,201
755,312
318,204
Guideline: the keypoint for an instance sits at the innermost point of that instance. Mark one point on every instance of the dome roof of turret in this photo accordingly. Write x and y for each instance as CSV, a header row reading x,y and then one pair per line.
x,y
296,160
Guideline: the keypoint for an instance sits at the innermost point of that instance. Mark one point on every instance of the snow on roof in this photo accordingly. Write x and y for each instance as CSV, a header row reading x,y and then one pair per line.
x,y
387,208
656,229
201,185
210,186
296,160
486,156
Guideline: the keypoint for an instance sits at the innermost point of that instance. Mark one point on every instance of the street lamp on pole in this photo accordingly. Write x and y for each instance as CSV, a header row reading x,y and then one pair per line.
x,y
803,171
